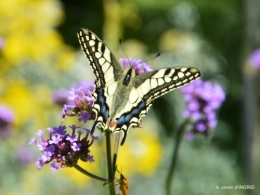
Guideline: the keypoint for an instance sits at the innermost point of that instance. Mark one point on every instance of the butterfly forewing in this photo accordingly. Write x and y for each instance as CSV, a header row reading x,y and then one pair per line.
x,y
105,67
159,82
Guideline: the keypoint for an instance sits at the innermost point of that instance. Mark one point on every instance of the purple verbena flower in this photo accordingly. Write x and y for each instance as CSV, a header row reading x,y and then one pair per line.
x,y
82,102
24,155
42,145
73,127
202,98
84,116
40,133
39,163
72,138
6,120
139,66
76,146
190,136
46,156
86,86
94,137
60,97
51,148
91,159
254,59
33,141
60,130
54,166
55,139
62,149
80,99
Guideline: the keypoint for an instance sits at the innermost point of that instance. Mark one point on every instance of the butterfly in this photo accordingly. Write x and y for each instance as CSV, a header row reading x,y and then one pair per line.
x,y
122,98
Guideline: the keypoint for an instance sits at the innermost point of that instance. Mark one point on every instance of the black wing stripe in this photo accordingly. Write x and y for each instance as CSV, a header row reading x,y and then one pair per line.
x,y
168,71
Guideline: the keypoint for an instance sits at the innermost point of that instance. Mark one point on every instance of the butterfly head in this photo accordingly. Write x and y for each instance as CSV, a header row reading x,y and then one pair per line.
x,y
128,76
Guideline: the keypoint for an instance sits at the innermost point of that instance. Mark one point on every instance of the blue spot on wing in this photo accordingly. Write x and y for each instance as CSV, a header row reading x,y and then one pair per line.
x,y
125,118
101,101
104,109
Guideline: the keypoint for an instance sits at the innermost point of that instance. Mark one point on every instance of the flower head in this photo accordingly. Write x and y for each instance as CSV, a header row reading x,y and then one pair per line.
x,y
60,97
86,86
81,102
24,155
6,120
254,59
203,98
63,149
139,66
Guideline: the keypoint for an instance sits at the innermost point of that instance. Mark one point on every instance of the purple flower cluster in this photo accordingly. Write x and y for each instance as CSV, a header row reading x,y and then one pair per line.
x,y
60,97
203,98
6,120
139,66
254,59
81,102
62,149
24,155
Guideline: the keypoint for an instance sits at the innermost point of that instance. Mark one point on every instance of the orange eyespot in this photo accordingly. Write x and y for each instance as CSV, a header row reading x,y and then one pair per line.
x,y
113,124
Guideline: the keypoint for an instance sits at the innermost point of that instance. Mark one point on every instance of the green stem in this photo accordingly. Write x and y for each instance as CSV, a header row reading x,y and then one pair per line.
x,y
109,164
179,137
79,168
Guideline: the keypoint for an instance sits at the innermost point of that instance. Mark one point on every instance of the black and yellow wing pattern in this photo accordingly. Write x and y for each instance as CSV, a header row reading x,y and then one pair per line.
x,y
122,98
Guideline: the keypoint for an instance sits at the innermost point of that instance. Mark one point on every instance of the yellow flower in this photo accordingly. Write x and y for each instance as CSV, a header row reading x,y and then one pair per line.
x,y
141,152
29,34
27,102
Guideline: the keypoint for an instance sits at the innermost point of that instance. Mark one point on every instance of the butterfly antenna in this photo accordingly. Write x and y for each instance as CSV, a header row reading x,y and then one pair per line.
x,y
120,41
150,58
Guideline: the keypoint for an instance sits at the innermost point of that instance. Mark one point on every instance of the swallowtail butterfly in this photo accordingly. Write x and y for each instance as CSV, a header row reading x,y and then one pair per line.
x,y
121,98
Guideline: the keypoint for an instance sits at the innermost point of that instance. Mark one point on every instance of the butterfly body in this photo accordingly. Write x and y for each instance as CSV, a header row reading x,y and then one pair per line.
x,y
124,86
122,98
